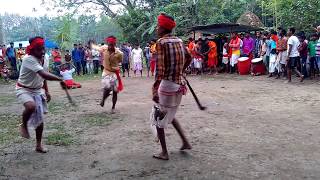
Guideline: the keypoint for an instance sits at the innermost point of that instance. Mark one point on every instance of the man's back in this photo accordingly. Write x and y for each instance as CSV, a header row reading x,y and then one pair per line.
x,y
171,59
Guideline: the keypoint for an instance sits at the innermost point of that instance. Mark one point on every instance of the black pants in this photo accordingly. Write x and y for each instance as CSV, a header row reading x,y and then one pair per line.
x,y
78,67
13,63
84,67
96,66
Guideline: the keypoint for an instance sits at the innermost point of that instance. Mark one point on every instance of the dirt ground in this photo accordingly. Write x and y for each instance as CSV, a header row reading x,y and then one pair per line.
x,y
254,128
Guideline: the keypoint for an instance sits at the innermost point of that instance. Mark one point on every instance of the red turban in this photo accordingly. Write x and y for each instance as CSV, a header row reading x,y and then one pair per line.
x,y
166,22
35,43
111,40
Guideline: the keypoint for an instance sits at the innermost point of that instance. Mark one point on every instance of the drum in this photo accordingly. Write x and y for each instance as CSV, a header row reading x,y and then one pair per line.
x,y
258,67
244,65
256,60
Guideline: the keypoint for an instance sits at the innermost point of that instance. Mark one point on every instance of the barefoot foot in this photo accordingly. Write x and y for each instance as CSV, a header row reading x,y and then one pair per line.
x,y
185,146
24,132
41,150
161,156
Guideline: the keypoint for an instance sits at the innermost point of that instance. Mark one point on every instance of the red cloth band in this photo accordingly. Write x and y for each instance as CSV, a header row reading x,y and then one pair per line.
x,y
166,22
35,43
111,40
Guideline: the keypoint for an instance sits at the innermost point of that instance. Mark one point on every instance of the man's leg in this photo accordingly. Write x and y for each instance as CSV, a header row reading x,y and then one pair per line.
x,y
123,70
78,66
105,95
164,154
185,142
29,109
114,100
141,72
39,132
289,72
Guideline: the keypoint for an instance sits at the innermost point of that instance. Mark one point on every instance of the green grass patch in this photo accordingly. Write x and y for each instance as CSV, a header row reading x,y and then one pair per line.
x,y
6,99
55,106
99,119
87,77
59,136
9,131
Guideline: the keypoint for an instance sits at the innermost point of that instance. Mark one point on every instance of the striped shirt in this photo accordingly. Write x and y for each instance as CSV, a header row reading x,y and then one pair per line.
x,y
172,58
318,49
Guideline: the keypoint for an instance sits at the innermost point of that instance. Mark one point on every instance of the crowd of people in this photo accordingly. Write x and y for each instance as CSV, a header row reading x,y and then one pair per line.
x,y
281,52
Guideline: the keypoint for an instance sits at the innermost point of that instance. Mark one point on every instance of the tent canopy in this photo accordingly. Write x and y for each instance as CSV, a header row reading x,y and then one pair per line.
x,y
50,44
223,28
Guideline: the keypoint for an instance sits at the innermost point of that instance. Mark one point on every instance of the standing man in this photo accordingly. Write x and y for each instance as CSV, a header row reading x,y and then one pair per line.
x,y
257,45
32,90
153,56
76,59
136,56
147,54
56,60
248,46
125,60
282,52
20,55
82,57
212,56
235,51
172,60
293,54
111,80
11,54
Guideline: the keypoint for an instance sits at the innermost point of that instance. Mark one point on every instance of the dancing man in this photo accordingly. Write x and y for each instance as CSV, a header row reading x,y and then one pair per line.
x,y
32,90
172,60
111,80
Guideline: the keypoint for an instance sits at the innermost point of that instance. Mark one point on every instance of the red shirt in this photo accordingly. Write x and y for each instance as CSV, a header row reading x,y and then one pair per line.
x,y
56,56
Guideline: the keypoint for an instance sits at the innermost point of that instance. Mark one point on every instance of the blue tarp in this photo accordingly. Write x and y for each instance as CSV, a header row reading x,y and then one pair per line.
x,y
50,44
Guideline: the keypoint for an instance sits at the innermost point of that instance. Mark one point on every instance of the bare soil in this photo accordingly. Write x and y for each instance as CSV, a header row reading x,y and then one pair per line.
x,y
254,128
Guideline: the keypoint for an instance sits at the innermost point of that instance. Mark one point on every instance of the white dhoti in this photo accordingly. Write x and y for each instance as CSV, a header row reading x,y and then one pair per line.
x,y
197,62
110,82
25,95
234,59
169,100
273,63
282,57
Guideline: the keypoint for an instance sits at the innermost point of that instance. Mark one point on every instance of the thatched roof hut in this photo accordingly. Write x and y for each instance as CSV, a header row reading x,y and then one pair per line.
x,y
250,19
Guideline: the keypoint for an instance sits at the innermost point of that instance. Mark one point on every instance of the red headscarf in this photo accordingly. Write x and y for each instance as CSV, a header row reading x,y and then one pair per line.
x,y
111,40
166,22
35,43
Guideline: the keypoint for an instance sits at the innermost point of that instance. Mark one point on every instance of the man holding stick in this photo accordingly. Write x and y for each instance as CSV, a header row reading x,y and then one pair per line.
x,y
32,90
172,60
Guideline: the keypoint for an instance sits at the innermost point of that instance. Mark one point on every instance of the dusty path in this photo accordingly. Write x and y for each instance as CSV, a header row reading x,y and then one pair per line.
x,y
255,128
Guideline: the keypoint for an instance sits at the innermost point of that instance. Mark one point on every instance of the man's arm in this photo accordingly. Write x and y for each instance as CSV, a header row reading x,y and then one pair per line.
x,y
289,51
45,87
188,59
159,72
48,76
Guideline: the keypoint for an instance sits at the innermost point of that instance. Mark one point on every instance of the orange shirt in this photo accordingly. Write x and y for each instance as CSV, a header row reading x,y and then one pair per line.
x,y
213,46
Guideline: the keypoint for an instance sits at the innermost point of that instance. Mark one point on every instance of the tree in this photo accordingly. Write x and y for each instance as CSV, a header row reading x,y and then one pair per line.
x,y
1,32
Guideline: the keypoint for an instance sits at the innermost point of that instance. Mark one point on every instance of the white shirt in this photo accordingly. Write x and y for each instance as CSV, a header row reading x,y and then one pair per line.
x,y
137,55
46,62
29,76
294,41
67,74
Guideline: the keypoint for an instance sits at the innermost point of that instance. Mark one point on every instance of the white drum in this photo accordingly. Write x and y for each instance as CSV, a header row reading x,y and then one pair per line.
x,y
256,60
241,59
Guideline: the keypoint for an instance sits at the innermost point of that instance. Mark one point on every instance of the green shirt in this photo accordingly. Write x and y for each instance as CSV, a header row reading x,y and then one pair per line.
x,y
312,48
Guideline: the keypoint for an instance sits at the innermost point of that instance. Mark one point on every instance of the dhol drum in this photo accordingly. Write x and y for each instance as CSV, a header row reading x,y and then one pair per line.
x,y
244,65
258,67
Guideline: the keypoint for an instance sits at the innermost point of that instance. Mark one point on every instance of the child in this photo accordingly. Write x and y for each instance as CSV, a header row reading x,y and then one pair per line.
x,y
67,77
225,59
5,73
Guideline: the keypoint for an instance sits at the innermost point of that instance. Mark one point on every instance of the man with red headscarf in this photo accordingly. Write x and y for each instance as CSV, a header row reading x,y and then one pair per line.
x,y
32,90
111,80
172,60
